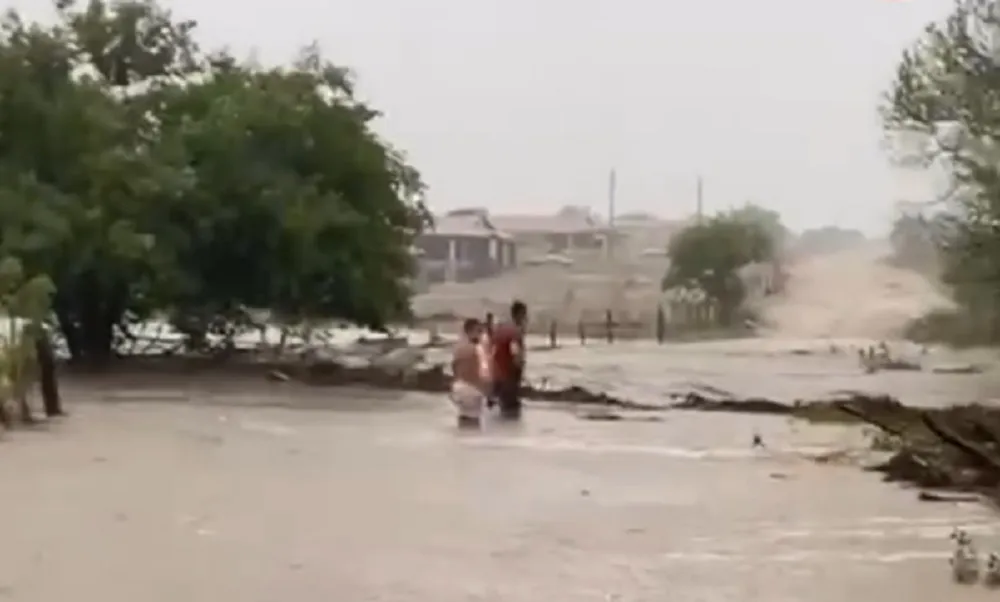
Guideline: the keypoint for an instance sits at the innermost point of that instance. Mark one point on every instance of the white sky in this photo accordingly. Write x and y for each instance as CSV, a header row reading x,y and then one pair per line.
x,y
524,105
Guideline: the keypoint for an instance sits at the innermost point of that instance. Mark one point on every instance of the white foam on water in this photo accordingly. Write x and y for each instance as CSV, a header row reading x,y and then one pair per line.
x,y
801,556
687,453
911,531
267,428
485,439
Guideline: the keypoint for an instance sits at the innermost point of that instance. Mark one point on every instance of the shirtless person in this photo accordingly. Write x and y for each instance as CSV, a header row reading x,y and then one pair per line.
x,y
508,361
468,388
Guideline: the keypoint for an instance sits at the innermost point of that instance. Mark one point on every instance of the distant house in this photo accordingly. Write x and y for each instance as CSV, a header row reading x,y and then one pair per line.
x,y
464,245
571,228
645,235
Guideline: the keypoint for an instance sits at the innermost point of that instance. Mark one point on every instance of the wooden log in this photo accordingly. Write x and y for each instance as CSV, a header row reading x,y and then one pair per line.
x,y
945,434
853,411
661,325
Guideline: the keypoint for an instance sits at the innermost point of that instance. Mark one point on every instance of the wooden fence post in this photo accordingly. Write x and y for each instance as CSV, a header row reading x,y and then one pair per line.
x,y
661,325
609,326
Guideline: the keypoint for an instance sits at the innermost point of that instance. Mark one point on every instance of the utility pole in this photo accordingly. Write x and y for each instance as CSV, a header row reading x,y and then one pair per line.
x,y
612,189
699,212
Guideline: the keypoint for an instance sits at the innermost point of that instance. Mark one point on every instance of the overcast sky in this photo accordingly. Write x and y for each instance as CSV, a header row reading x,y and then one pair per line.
x,y
525,105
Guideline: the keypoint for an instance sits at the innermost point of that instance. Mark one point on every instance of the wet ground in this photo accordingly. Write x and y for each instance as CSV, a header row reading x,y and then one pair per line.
x,y
205,492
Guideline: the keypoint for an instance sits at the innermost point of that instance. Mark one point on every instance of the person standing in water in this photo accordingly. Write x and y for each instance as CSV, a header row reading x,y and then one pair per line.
x,y
469,385
509,360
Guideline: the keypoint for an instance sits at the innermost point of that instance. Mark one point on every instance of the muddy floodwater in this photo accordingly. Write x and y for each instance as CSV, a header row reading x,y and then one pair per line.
x,y
211,491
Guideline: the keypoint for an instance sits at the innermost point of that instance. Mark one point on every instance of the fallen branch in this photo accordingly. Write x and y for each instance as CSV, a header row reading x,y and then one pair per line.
x,y
970,449
847,408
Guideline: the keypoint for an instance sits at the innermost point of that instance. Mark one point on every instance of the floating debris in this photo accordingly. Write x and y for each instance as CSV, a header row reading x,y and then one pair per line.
x,y
964,559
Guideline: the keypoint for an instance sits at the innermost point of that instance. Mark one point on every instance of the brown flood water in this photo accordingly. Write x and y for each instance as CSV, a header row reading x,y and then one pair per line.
x,y
378,498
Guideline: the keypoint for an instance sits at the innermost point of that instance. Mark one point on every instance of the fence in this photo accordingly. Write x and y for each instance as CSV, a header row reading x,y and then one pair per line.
x,y
670,321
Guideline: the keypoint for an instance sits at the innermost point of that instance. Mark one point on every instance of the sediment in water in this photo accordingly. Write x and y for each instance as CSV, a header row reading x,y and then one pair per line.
x,y
955,448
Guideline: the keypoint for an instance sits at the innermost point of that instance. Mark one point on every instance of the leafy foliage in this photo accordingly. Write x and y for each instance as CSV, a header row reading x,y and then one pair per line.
x,y
142,174
26,303
944,105
768,219
916,242
707,256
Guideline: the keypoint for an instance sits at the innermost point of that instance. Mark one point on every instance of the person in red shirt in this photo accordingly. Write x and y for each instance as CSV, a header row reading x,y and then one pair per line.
x,y
508,361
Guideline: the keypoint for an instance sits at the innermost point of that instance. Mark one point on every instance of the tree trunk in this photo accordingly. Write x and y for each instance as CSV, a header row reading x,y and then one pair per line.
x,y
95,339
87,320
47,377
728,309
88,340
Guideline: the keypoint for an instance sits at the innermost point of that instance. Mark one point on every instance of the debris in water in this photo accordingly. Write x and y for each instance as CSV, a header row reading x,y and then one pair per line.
x,y
831,457
961,537
278,376
964,559
992,577
604,416
960,369
930,496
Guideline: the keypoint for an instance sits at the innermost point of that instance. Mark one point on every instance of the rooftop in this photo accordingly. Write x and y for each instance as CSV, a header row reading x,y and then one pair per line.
x,y
568,220
466,222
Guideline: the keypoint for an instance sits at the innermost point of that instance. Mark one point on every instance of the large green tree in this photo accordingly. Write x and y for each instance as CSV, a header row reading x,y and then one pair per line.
x,y
707,256
143,174
943,111
768,219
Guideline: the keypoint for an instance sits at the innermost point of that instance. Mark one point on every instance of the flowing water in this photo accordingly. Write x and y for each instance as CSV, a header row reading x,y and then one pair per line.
x,y
852,293
378,498
237,491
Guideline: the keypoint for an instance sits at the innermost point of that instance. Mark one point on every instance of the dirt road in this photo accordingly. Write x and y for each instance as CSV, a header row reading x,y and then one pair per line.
x,y
851,293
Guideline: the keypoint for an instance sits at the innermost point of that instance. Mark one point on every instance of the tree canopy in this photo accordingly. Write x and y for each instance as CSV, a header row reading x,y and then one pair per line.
x,y
942,110
768,219
915,240
708,255
143,174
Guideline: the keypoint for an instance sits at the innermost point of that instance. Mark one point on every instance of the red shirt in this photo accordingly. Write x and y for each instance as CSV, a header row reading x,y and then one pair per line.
x,y
504,337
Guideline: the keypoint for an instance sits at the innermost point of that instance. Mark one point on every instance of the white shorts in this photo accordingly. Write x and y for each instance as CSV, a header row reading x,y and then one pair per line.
x,y
468,399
